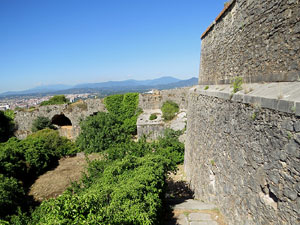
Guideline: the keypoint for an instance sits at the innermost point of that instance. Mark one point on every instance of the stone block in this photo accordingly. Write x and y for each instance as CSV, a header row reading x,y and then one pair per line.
x,y
298,109
285,106
269,103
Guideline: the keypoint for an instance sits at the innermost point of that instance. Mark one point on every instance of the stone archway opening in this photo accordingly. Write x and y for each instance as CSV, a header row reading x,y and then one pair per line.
x,y
64,125
61,120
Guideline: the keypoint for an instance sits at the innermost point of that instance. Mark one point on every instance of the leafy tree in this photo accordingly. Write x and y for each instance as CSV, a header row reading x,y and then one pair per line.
x,y
12,160
11,195
10,114
41,123
169,110
6,127
44,148
55,100
125,108
99,132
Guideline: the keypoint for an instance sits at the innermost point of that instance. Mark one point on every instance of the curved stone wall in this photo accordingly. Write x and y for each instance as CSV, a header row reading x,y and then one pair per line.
x,y
256,40
243,154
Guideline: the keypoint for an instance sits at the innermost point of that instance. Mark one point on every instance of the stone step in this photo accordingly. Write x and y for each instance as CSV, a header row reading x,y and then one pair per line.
x,y
193,212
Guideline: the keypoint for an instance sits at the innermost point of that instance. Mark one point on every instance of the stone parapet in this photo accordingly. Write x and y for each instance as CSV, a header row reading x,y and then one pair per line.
x,y
243,151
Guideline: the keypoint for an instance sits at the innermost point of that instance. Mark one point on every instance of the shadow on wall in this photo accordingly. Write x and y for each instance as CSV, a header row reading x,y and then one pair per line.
x,y
61,120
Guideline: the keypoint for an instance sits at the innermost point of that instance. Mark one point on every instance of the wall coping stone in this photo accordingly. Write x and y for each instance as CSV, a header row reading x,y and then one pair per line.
x,y
279,96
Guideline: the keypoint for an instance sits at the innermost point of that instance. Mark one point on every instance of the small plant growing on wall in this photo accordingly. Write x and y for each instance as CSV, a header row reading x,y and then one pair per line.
x,y
206,87
237,84
254,115
153,116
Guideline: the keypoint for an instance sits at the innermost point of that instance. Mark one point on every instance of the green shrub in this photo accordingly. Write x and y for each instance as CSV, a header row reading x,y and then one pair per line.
x,y
6,126
125,191
55,100
237,84
12,159
99,132
169,110
206,87
10,114
125,109
11,195
41,123
44,148
153,116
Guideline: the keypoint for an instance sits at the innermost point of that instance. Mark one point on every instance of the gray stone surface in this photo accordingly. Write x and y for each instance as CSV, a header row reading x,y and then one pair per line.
x,y
191,204
155,99
199,216
258,94
257,40
74,112
154,129
244,158
203,223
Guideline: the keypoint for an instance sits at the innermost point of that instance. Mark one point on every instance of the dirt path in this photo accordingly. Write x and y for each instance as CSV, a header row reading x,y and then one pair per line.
x,y
182,209
54,182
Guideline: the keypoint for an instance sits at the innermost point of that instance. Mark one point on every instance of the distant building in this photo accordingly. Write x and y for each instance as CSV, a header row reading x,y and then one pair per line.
x,y
4,107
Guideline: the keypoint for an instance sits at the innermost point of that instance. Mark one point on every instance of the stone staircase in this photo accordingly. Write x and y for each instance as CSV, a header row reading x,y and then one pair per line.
x,y
182,209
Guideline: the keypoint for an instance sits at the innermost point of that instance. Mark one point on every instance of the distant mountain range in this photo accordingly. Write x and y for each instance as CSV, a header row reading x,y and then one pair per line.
x,y
109,87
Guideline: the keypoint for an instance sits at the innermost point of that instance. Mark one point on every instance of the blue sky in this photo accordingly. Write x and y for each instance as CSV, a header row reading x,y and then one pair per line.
x,y
78,41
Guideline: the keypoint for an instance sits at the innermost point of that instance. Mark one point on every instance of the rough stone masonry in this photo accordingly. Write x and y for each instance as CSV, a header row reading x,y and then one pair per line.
x,y
243,149
257,40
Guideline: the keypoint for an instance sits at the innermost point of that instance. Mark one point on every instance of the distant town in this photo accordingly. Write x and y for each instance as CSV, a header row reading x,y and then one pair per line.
x,y
25,102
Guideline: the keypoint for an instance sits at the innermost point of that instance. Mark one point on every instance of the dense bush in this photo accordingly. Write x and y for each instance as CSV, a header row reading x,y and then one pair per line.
x,y
125,191
45,147
125,108
99,132
6,126
55,100
169,110
41,123
126,187
103,130
11,195
12,159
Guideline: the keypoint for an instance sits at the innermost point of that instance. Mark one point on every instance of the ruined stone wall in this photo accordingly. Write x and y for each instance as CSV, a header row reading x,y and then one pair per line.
x,y
244,158
75,112
155,100
257,40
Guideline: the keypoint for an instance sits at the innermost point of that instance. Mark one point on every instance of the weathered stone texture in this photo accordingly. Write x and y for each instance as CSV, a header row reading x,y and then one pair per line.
x,y
155,100
75,112
244,159
153,129
257,40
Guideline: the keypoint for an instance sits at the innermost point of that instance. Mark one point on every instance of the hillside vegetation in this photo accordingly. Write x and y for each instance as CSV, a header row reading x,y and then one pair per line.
x,y
125,186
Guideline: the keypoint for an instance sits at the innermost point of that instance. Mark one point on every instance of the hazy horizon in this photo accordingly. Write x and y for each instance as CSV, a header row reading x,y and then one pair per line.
x,y
72,42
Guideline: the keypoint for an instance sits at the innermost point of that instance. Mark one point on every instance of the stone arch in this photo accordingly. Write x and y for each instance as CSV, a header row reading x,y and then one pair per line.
x,y
61,120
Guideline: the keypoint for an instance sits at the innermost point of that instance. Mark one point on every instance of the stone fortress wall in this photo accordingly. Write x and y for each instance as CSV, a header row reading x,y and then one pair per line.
x,y
151,103
258,40
243,149
74,112
156,98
